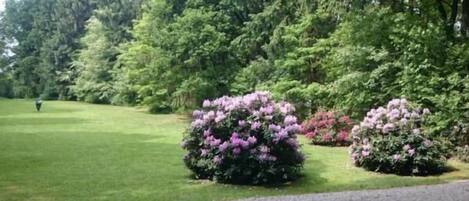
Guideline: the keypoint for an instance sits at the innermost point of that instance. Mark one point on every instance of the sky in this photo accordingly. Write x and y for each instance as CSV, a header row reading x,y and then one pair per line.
x,y
2,5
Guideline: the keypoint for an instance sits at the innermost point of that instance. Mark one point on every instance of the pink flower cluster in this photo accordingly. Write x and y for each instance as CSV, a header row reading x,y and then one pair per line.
x,y
391,139
328,128
395,117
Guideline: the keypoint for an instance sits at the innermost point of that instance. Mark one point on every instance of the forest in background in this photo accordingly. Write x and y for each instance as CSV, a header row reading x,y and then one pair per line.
x,y
170,55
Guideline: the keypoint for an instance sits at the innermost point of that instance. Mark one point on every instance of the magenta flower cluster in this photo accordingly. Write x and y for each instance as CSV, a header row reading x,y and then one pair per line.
x,y
236,131
392,139
328,128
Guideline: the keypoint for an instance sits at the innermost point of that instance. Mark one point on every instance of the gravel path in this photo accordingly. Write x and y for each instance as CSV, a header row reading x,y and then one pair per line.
x,y
456,191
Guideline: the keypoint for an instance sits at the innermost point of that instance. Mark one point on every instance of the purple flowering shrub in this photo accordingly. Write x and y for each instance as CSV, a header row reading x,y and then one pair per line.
x,y
246,139
392,140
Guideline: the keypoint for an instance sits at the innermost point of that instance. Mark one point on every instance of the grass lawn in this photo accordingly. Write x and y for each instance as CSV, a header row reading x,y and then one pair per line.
x,y
82,152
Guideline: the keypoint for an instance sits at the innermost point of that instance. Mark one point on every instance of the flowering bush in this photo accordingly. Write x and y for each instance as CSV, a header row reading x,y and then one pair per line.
x,y
248,139
463,153
392,140
328,128
460,132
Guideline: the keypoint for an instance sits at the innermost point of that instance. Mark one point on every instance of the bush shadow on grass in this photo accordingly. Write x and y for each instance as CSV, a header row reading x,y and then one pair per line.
x,y
381,182
446,169
303,179
329,145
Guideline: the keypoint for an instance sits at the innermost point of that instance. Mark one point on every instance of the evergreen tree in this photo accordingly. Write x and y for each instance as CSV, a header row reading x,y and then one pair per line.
x,y
95,78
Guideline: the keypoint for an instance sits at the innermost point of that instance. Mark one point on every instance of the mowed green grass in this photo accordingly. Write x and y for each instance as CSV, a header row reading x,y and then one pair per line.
x,y
82,152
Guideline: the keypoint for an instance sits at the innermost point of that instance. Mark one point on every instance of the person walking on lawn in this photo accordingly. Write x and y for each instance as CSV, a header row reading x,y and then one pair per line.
x,y
38,103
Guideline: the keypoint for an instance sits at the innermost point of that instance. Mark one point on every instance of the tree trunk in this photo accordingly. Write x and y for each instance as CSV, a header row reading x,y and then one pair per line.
x,y
465,18
442,10
449,23
454,13
452,18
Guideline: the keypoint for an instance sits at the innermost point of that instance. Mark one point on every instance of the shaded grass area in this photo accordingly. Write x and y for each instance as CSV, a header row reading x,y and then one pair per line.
x,y
82,152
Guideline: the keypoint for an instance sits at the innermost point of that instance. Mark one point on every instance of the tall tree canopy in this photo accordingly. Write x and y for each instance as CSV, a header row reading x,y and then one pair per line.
x,y
349,55
96,62
46,34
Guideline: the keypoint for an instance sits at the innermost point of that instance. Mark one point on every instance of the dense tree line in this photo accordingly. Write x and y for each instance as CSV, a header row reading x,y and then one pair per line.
x,y
349,55
48,37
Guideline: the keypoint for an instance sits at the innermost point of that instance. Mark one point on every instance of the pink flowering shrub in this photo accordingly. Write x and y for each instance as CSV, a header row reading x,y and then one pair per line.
x,y
328,128
247,139
462,153
392,140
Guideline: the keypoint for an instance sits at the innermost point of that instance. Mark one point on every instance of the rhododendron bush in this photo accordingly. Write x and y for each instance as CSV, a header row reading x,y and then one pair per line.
x,y
392,140
247,139
328,128
462,153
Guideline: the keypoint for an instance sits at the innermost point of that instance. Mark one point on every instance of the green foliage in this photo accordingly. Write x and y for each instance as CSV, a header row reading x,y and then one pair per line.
x,y
6,88
96,65
185,52
95,71
45,35
452,99
347,56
